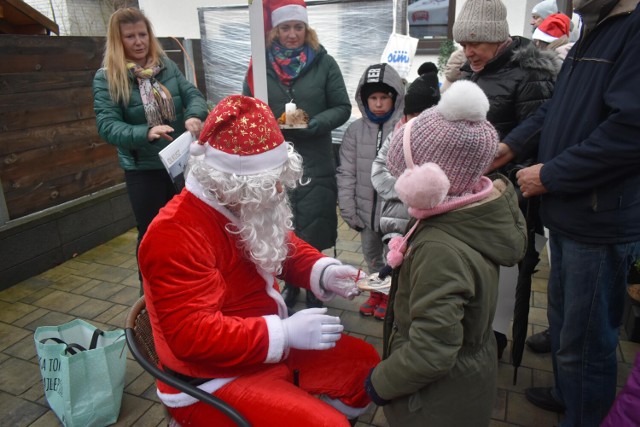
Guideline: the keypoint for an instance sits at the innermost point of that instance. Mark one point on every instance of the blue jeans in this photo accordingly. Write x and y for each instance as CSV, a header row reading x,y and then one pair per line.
x,y
587,286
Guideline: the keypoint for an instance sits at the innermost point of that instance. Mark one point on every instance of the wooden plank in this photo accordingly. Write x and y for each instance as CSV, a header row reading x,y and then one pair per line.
x,y
11,83
62,190
23,53
27,170
27,110
53,136
18,11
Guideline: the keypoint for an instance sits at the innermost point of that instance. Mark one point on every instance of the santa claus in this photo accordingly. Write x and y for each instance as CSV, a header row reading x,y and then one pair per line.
x,y
209,263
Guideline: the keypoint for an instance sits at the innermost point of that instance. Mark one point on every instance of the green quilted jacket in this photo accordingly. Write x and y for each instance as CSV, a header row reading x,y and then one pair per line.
x,y
321,92
126,126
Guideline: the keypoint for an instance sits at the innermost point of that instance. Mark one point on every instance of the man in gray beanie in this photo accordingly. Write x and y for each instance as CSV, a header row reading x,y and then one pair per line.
x,y
517,78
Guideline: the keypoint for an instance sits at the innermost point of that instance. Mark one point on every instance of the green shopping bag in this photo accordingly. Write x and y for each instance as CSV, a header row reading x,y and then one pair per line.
x,y
82,372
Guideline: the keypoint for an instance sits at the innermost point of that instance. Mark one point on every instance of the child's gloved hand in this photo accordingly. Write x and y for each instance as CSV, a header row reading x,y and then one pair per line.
x,y
341,279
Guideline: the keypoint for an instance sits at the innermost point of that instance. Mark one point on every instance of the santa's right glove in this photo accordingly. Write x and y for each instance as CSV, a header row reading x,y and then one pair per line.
x,y
311,329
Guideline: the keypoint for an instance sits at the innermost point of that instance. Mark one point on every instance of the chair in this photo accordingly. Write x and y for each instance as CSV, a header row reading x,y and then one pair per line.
x,y
140,341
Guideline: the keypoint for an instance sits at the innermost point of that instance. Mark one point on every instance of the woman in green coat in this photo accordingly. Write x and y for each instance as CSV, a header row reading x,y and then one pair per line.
x,y
439,365
300,70
142,102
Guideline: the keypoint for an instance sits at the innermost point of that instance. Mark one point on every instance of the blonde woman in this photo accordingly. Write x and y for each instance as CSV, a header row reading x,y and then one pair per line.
x,y
142,102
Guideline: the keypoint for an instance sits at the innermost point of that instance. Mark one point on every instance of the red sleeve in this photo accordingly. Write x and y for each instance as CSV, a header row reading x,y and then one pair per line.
x,y
301,259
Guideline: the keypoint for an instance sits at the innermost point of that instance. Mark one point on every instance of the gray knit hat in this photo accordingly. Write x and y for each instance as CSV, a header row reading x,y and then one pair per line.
x,y
481,21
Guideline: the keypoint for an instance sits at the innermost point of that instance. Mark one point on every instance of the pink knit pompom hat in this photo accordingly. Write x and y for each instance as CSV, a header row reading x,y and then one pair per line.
x,y
440,157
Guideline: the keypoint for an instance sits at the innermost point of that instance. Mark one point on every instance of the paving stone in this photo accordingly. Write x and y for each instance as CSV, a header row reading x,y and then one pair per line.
x,y
108,315
31,317
35,296
104,290
500,406
70,283
24,349
50,318
126,296
48,419
155,416
522,413
17,412
87,286
10,334
362,325
133,407
17,376
91,308
60,301
108,273
10,312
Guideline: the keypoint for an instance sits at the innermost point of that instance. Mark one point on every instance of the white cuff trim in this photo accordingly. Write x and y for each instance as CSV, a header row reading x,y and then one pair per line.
x,y
180,400
277,340
316,275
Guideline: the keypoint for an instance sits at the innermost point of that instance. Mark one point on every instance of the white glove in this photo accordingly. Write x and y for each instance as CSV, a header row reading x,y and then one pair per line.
x,y
341,279
312,329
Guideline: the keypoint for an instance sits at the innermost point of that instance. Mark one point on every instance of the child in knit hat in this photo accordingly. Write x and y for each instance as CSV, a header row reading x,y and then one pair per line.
x,y
439,366
421,94
380,96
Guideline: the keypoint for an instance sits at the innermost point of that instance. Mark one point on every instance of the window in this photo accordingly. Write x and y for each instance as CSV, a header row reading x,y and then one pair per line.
x,y
431,21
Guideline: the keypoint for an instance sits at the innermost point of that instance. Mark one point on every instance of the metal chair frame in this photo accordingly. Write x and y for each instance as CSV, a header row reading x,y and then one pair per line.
x,y
140,341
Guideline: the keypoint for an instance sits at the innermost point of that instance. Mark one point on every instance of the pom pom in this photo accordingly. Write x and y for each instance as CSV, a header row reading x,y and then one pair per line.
x,y
423,187
397,248
197,148
464,100
427,67
395,258
397,244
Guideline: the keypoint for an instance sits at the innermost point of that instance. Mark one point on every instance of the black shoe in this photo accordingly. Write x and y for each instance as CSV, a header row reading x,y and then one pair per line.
x,y
540,342
312,301
290,295
501,341
542,398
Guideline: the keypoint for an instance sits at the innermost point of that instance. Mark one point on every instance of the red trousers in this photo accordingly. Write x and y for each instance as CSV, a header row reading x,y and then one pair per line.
x,y
269,397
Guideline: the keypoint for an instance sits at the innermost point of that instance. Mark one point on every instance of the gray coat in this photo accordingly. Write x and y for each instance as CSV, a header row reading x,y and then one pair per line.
x,y
439,366
358,201
394,215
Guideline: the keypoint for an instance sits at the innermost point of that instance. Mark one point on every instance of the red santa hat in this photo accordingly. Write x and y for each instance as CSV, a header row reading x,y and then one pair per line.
x,y
552,28
288,10
241,136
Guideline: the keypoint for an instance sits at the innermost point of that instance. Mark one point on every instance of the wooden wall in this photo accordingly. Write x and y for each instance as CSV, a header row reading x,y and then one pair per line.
x,y
50,151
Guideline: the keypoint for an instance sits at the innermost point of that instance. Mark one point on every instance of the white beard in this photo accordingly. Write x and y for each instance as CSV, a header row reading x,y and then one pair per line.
x,y
265,230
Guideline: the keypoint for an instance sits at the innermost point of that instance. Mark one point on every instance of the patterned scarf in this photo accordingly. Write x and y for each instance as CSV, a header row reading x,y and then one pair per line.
x,y
156,99
288,63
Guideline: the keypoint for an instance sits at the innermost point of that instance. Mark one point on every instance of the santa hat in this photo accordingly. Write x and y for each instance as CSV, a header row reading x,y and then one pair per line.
x,y
241,136
440,158
552,28
288,10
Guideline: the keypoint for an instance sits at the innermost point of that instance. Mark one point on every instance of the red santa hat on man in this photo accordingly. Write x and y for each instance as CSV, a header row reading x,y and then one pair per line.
x,y
287,10
552,28
241,136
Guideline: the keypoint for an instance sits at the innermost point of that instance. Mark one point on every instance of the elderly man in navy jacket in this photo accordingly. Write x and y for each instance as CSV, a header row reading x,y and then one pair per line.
x,y
589,178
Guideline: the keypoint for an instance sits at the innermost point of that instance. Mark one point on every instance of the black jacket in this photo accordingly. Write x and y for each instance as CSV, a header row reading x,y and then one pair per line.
x,y
517,82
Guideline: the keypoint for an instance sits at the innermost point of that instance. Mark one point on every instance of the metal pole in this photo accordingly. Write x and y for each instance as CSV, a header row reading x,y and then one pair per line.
x,y
256,22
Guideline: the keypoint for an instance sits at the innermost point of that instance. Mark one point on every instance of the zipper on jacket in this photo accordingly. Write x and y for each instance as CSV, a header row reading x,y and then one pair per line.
x,y
375,193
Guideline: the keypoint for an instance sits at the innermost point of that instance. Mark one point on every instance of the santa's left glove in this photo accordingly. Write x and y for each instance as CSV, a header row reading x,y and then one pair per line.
x,y
372,393
341,279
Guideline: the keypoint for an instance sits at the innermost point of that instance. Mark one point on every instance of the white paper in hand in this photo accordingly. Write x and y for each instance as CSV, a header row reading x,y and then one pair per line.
x,y
175,157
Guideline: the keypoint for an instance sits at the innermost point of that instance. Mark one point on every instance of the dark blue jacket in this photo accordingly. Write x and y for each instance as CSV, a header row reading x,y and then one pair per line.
x,y
590,137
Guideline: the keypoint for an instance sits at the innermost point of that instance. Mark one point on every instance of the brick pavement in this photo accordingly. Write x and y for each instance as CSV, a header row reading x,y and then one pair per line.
x,y
100,286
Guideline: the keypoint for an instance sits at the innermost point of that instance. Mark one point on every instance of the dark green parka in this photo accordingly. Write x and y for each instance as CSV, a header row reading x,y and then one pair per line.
x,y
320,91
126,126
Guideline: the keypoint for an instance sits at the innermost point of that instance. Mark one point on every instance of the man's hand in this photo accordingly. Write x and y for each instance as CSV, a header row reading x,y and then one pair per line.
x,y
193,125
312,329
160,131
529,181
505,155
341,279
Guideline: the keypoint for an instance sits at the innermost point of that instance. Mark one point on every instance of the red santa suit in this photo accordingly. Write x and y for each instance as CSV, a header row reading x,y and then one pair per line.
x,y
217,317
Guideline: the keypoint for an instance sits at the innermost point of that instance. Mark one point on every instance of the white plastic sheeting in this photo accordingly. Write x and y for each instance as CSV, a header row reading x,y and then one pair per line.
x,y
354,32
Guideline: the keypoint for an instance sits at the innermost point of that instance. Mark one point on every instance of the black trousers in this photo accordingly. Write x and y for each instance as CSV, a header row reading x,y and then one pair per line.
x,y
149,191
